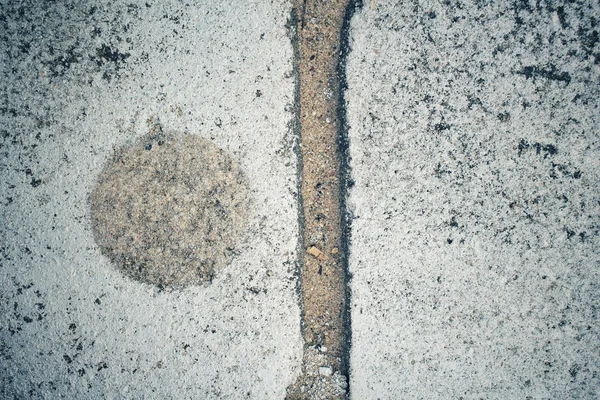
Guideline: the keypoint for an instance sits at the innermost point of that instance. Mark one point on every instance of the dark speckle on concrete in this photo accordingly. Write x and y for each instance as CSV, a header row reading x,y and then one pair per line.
x,y
548,73
107,54
503,117
101,365
61,64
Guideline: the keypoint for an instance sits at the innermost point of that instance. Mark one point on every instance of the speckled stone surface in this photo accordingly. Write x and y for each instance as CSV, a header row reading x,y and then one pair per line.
x,y
475,154
79,79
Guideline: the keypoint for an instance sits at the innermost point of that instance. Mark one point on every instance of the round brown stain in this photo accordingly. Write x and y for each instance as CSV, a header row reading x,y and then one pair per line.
x,y
170,209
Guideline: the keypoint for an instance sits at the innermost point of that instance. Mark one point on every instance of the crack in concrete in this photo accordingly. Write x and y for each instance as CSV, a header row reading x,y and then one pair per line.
x,y
319,34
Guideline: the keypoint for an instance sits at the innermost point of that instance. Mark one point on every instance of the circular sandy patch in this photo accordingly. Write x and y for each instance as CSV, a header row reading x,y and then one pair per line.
x,y
170,209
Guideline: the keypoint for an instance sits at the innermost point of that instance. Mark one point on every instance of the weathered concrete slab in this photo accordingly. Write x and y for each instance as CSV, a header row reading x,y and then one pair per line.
x,y
81,79
475,151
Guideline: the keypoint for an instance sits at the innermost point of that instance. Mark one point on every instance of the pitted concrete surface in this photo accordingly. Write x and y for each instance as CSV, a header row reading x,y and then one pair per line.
x,y
475,154
82,79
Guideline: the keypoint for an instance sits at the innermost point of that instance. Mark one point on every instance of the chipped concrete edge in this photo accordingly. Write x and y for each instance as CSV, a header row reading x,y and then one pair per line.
x,y
294,127
346,182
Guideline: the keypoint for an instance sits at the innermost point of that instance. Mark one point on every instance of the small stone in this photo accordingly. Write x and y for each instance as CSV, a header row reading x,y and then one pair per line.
x,y
335,250
313,251
325,371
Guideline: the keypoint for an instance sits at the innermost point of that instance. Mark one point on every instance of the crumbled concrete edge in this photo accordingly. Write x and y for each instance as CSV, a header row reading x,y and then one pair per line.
x,y
346,182
294,127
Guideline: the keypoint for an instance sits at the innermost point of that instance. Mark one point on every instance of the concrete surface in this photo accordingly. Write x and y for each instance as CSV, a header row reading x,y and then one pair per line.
x,y
475,153
81,79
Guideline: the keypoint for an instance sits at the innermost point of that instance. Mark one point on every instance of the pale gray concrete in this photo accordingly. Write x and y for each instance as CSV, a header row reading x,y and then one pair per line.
x,y
475,152
79,79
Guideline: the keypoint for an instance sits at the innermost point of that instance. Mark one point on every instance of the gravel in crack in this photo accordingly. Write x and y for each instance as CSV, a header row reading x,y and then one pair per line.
x,y
170,209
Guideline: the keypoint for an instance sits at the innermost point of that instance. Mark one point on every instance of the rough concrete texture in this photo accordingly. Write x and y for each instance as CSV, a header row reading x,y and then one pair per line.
x,y
475,151
80,80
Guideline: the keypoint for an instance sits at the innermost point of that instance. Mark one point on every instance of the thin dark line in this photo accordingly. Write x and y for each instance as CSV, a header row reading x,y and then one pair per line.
x,y
346,182
303,13
294,126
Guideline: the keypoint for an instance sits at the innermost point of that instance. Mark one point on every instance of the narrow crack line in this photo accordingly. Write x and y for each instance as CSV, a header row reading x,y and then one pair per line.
x,y
346,182
303,7
294,127
317,33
